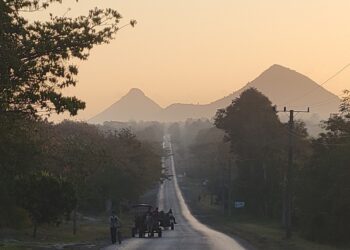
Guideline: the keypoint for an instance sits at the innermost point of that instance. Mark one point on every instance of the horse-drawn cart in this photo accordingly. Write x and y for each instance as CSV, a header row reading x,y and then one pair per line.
x,y
145,221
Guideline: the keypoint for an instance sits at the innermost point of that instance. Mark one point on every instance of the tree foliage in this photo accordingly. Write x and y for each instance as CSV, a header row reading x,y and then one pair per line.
x,y
48,169
45,197
249,164
259,143
97,165
324,198
36,57
102,164
256,137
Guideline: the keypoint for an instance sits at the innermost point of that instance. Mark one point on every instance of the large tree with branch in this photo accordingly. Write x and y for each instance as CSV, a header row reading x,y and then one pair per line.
x,y
36,57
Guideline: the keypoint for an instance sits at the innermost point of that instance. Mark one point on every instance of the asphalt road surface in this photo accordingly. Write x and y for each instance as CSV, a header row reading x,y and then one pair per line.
x,y
189,233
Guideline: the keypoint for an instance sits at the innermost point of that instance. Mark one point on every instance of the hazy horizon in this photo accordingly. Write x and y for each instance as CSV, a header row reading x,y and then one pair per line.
x,y
199,51
238,110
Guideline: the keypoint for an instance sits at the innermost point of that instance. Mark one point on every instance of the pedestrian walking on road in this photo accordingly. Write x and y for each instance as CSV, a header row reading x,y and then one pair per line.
x,y
171,215
114,222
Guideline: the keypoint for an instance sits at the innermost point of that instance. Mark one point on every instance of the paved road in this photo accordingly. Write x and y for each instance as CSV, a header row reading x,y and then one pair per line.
x,y
189,233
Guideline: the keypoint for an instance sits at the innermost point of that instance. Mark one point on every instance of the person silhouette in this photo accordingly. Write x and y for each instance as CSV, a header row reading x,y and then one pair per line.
x,y
114,223
171,215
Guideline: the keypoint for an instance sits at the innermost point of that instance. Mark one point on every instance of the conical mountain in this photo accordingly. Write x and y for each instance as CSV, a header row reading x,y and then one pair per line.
x,y
286,87
283,86
135,105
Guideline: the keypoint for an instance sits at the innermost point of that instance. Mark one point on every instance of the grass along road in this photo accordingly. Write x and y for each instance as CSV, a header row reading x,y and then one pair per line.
x,y
260,234
93,233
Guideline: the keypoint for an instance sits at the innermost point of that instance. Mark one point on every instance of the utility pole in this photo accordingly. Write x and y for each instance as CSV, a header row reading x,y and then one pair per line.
x,y
288,173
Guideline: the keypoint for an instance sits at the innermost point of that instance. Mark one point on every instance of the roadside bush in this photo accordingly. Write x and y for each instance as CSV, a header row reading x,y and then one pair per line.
x,y
46,198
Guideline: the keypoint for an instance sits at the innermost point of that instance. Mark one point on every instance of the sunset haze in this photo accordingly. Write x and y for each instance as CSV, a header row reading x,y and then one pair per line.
x,y
199,51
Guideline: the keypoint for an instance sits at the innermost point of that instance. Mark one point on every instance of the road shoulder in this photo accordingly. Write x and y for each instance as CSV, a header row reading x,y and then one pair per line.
x,y
250,233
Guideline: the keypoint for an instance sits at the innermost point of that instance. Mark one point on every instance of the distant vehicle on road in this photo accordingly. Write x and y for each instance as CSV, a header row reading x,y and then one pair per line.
x,y
145,221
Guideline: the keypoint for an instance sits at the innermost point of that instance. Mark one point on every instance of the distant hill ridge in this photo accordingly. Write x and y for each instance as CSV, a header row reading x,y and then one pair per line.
x,y
283,86
135,105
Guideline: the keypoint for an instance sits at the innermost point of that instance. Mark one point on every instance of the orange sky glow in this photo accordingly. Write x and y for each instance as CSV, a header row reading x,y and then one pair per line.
x,y
196,51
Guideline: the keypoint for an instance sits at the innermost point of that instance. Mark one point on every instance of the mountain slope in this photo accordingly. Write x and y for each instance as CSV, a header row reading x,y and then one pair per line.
x,y
286,87
135,105
283,86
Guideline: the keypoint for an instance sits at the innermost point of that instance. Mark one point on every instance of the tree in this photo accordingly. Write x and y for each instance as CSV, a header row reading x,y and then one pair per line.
x,y
324,203
35,57
19,155
35,67
210,157
256,137
135,164
102,166
45,197
78,149
129,168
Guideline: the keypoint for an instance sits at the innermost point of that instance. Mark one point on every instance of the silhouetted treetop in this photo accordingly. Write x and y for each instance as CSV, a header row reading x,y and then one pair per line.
x,y
35,57
249,118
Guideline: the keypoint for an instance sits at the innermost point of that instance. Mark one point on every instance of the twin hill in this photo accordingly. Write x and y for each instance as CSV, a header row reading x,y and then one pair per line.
x,y
283,86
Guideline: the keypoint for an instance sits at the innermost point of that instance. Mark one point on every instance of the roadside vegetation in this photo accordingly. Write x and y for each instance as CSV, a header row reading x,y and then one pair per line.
x,y
243,157
253,232
72,174
55,174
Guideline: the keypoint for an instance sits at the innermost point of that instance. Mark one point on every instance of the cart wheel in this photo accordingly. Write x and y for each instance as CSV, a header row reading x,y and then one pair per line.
x,y
172,226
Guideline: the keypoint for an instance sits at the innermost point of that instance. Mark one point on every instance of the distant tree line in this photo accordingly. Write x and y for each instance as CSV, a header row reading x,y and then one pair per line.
x,y
243,156
50,170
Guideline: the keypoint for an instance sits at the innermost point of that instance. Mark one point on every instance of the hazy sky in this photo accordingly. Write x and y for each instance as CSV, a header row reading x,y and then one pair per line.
x,y
196,51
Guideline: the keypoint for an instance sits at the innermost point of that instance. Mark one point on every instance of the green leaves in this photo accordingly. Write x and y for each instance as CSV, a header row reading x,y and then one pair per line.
x,y
259,144
34,57
46,197
323,200
250,124
56,166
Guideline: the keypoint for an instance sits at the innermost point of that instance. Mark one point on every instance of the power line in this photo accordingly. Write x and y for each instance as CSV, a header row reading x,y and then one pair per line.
x,y
336,74
319,86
